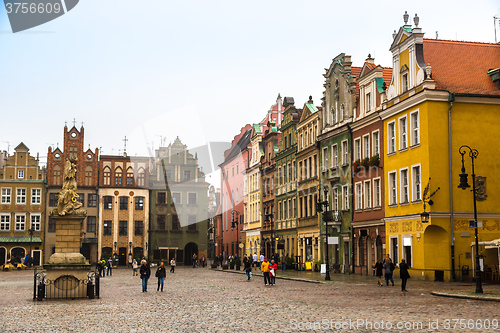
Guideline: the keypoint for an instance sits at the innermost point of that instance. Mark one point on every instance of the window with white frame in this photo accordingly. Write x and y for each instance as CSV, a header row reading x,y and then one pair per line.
x,y
324,161
368,192
20,222
416,187
345,152
335,156
366,146
404,186
376,192
368,102
345,197
335,198
35,222
4,222
415,128
376,143
357,148
359,196
6,196
405,82
392,188
20,174
391,137
403,135
407,249
36,196
21,196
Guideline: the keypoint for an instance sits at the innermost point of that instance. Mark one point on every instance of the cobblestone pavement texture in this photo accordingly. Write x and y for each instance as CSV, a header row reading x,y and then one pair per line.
x,y
205,300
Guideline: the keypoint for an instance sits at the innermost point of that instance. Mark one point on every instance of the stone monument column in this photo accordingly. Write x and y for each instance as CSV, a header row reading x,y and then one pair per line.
x,y
67,267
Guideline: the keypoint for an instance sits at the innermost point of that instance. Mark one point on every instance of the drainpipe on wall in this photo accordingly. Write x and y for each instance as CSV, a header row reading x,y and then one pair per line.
x,y
351,206
451,98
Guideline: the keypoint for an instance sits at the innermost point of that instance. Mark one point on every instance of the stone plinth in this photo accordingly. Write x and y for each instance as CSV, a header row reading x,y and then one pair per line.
x,y
69,233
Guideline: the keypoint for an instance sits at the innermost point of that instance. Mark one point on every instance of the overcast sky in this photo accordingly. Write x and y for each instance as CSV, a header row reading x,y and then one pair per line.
x,y
199,70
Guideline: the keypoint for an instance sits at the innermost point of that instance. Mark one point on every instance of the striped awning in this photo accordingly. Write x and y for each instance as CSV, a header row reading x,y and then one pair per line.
x,y
20,239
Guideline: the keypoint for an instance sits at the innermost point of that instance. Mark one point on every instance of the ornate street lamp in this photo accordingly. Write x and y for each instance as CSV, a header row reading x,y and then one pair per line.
x,y
473,153
325,219
234,219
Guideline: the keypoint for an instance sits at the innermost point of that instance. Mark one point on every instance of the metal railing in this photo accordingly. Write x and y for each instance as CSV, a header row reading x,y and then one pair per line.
x,y
65,286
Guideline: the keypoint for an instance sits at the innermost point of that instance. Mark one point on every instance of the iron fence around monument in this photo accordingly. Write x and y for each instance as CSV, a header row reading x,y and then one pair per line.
x,y
65,286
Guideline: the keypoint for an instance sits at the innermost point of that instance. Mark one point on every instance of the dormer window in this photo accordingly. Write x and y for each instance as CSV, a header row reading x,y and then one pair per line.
x,y
368,102
405,82
404,78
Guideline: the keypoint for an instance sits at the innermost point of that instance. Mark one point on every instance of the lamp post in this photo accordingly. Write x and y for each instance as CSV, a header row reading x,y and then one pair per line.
x,y
473,153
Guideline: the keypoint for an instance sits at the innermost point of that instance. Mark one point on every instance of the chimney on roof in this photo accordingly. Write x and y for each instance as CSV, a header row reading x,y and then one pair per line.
x,y
370,60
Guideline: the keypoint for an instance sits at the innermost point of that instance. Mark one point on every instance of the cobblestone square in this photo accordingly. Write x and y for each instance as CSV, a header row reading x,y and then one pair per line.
x,y
204,300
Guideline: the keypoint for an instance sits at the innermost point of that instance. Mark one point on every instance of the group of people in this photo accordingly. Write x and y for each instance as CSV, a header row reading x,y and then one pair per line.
x,y
145,273
105,267
202,262
386,268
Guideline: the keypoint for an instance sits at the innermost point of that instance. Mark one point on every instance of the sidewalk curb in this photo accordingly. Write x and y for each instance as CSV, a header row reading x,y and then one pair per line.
x,y
277,277
461,296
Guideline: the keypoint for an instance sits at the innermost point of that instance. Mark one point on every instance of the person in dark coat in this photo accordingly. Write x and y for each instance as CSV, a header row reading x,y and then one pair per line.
x,y
379,271
403,274
145,272
248,267
161,273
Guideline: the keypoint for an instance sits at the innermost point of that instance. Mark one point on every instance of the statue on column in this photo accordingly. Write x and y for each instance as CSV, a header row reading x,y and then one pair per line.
x,y
67,203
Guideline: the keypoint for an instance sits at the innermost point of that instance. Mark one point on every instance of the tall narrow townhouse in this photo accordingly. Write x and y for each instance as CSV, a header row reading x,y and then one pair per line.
x,y
335,145
442,95
22,207
270,142
368,175
178,210
87,183
123,226
308,228
236,161
286,182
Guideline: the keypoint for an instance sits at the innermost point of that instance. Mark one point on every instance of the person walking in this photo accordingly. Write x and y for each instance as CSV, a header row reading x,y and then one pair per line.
x,y
172,265
254,258
403,274
261,259
110,267
161,273
194,260
248,267
264,267
379,268
103,264
273,267
388,269
145,272
134,267
130,260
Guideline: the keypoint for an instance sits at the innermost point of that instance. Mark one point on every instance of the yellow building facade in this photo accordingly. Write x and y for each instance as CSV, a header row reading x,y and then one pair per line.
x,y
432,107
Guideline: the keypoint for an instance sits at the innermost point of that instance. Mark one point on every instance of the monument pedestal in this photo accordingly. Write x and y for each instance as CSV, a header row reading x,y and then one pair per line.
x,y
67,268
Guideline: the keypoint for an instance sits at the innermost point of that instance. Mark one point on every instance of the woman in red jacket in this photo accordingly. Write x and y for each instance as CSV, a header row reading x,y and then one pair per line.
x,y
273,267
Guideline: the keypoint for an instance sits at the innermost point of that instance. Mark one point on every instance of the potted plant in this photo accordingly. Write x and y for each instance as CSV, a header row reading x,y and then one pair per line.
x,y
237,263
213,265
225,265
317,265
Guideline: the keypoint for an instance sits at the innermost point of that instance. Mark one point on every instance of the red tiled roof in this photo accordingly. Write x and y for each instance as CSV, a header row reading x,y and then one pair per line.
x,y
370,65
356,71
387,75
462,67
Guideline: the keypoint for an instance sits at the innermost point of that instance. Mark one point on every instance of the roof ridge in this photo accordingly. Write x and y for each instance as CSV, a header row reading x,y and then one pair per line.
x,y
451,41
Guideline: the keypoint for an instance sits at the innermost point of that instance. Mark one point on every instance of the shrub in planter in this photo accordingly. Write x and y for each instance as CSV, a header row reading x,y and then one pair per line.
x,y
225,266
214,265
237,262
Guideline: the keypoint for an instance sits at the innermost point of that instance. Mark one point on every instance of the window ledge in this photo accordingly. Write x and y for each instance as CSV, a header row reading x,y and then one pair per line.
x,y
390,154
377,208
367,209
403,149
417,201
393,205
415,146
406,203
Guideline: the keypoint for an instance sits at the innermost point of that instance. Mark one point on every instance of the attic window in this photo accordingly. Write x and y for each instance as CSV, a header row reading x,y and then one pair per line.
x,y
404,78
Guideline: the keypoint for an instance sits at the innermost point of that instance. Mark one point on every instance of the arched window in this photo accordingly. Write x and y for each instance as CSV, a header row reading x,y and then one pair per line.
x,y
88,176
107,176
118,176
57,175
130,177
141,177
